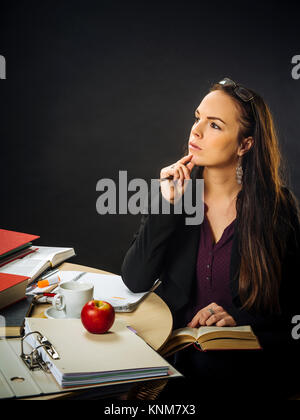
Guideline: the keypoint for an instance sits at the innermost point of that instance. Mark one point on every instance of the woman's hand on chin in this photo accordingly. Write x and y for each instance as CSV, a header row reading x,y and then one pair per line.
x,y
172,178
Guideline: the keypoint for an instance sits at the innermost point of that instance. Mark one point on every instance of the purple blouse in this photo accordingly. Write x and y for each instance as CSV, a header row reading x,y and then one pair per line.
x,y
213,270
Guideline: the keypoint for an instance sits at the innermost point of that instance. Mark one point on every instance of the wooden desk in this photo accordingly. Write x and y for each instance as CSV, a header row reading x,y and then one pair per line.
x,y
152,319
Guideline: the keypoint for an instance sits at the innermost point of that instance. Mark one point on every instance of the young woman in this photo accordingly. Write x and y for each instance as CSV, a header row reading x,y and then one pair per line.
x,y
240,266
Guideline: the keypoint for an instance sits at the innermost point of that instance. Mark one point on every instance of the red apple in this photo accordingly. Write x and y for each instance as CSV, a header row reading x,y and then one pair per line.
x,y
97,316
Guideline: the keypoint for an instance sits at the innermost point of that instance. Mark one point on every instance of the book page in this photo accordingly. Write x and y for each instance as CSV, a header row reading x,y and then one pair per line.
x,y
35,263
47,253
26,266
204,330
193,332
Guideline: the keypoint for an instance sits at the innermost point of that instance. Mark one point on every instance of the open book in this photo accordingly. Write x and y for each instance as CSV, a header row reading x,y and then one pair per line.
x,y
34,264
212,338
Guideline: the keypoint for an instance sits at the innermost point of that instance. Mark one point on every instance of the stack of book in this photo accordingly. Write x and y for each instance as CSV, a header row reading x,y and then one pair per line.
x,y
19,257
14,245
21,264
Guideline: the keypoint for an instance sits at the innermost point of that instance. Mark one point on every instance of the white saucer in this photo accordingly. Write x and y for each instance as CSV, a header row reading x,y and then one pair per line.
x,y
53,313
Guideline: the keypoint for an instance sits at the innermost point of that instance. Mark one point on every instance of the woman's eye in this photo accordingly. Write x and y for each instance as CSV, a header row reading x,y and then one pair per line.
x,y
196,120
215,126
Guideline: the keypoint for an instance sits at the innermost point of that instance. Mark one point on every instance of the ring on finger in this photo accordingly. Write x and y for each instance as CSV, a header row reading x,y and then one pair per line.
x,y
212,312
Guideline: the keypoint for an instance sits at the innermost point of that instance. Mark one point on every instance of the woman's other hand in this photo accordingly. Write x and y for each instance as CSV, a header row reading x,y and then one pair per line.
x,y
212,314
178,172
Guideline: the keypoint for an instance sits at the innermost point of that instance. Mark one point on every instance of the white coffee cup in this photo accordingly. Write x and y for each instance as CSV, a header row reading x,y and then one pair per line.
x,y
71,298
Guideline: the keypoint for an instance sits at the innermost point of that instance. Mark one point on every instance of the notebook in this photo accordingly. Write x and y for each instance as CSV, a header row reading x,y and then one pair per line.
x,y
85,359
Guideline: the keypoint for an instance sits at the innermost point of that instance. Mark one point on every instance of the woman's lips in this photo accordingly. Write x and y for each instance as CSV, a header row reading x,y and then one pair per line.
x,y
193,146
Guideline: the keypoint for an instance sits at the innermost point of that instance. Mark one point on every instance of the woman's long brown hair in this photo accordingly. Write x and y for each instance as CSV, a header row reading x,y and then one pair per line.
x,y
263,207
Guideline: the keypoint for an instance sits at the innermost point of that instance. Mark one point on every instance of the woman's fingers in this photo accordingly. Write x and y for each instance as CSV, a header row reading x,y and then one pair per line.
x,y
181,175
213,319
186,172
221,319
175,171
209,311
173,177
212,314
195,321
183,170
190,166
200,317
227,321
185,159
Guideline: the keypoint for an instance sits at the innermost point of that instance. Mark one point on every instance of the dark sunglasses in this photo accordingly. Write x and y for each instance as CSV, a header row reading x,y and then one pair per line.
x,y
244,94
240,91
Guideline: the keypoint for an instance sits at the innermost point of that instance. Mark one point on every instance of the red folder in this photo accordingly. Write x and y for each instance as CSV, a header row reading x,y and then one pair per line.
x,y
10,240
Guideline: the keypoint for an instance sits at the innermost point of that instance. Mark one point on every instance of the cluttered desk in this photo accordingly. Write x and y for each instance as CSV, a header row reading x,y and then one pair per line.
x,y
47,349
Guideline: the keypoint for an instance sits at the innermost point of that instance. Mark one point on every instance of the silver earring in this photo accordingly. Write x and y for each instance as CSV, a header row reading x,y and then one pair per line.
x,y
239,171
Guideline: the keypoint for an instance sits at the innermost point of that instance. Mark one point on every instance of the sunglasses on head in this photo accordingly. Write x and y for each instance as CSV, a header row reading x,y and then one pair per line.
x,y
244,94
240,91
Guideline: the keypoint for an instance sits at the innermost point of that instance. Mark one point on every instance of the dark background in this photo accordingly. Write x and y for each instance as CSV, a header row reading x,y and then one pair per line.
x,y
96,87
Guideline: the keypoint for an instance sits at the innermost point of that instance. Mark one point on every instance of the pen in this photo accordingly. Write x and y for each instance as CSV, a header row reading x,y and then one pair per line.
x,y
83,273
49,273
44,299
167,178
49,291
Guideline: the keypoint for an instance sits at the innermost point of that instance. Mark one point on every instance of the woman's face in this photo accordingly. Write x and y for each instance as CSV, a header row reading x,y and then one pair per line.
x,y
214,136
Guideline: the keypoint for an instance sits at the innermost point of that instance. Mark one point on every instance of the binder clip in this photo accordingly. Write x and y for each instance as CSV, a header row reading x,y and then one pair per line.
x,y
34,360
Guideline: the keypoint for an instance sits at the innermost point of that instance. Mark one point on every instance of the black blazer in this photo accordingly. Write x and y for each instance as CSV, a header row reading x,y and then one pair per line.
x,y
166,248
